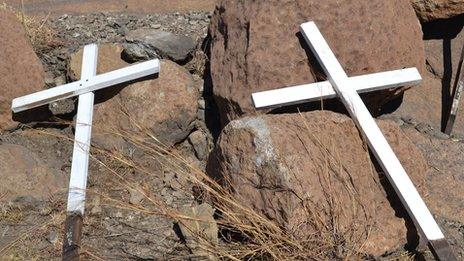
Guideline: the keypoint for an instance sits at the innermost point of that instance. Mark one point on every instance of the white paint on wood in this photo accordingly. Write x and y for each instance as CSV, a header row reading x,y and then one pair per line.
x,y
390,164
85,85
80,160
324,90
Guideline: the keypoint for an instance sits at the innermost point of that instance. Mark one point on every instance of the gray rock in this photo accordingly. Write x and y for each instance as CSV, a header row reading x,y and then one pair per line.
x,y
168,45
199,143
60,80
62,107
200,227
134,52
135,197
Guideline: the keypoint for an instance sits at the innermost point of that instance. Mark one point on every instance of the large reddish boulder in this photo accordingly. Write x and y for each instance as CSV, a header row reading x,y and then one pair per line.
x,y
164,106
287,166
256,45
21,72
429,10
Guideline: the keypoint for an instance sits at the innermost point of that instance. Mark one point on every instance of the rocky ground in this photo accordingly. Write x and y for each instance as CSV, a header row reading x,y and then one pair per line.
x,y
58,7
156,142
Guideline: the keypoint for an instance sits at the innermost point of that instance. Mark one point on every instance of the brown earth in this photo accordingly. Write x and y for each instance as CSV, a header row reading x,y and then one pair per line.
x,y
256,45
286,166
59,7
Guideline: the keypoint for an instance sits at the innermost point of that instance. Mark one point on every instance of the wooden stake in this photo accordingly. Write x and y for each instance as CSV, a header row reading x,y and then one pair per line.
x,y
387,159
458,87
80,161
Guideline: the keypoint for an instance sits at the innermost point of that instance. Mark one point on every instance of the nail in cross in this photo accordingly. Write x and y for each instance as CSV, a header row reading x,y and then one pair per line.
x,y
80,162
346,88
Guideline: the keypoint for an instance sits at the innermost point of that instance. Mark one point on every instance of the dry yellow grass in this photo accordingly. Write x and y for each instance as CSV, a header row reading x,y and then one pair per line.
x,y
38,32
246,235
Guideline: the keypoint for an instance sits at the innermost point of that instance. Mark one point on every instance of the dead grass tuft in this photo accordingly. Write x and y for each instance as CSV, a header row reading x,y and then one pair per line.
x,y
10,213
244,233
37,30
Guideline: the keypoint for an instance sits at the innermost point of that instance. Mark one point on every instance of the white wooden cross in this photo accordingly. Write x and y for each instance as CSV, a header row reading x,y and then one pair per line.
x,y
340,85
88,83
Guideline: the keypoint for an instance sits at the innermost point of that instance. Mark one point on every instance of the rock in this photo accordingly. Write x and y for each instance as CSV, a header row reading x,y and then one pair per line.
x,y
62,107
424,104
109,59
136,197
136,52
444,177
444,180
168,45
200,227
20,69
429,10
164,106
52,237
256,45
199,143
443,46
23,173
280,165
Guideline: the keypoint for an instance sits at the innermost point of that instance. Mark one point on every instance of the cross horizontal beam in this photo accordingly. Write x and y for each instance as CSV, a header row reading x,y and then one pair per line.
x,y
324,90
86,85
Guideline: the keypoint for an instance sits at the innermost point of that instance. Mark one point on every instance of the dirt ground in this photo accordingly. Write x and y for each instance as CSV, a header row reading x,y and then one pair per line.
x,y
58,7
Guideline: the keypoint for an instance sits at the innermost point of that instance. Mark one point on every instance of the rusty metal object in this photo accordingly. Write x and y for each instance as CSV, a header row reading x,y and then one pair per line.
x,y
72,237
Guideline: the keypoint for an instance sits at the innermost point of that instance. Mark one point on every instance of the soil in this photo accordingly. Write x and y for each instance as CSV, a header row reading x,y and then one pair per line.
x,y
59,7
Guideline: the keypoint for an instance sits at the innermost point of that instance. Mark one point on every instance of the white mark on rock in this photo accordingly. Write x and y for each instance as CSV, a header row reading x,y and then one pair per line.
x,y
262,138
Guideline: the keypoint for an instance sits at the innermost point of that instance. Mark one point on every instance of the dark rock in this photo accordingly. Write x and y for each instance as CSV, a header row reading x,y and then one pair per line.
x,y
134,52
168,45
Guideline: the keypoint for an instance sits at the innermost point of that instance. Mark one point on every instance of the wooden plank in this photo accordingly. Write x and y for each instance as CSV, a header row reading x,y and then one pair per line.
x,y
390,164
80,160
85,85
324,90
458,88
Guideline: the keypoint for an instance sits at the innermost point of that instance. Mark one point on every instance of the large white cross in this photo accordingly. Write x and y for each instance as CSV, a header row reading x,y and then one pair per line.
x,y
340,85
88,83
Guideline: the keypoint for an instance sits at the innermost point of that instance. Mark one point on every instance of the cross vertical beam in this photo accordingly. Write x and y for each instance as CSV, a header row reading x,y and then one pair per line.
x,y
80,160
458,88
390,164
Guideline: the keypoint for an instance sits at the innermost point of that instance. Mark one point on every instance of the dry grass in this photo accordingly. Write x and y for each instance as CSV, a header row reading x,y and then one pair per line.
x,y
245,234
37,30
